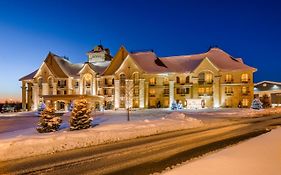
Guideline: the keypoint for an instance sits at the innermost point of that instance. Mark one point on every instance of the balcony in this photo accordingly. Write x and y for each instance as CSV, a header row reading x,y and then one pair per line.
x,y
151,95
152,84
165,94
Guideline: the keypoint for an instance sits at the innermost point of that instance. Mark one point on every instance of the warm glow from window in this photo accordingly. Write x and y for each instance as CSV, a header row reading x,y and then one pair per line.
x,y
245,102
208,77
152,80
201,90
208,90
151,91
228,89
244,89
166,80
245,77
228,77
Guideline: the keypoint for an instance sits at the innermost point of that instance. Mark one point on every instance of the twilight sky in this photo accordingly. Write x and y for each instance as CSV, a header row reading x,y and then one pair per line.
x,y
29,29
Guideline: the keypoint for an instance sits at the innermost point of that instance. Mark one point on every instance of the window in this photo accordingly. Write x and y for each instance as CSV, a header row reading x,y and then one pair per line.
x,y
245,102
152,92
187,79
105,81
136,91
40,81
228,102
228,90
201,91
244,78
136,78
201,77
208,90
122,79
178,80
166,81
228,78
209,78
77,84
166,91
112,81
152,81
244,90
186,90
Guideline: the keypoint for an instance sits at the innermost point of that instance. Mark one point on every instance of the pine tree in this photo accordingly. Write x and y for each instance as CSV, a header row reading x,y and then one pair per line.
x,y
80,116
265,101
48,121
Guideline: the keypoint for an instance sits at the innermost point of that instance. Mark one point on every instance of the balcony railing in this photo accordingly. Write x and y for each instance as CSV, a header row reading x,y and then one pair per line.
x,y
202,82
151,95
245,93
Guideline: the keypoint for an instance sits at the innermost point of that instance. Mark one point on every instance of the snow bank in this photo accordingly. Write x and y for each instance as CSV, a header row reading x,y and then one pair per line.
x,y
36,144
257,156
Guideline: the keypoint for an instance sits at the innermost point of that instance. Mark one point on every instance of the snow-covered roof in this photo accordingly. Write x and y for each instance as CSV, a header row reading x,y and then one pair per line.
x,y
29,76
269,82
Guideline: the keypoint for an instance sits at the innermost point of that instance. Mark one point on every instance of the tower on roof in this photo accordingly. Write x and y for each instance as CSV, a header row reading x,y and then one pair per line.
x,y
99,54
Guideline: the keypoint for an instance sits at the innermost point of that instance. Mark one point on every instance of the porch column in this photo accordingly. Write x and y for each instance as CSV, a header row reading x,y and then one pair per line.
x,y
70,86
195,88
23,97
141,93
129,94
216,92
81,87
35,96
171,92
29,96
146,94
94,86
116,94
45,89
54,88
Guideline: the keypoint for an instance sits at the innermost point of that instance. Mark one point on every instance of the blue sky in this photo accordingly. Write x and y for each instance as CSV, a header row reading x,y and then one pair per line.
x,y
29,29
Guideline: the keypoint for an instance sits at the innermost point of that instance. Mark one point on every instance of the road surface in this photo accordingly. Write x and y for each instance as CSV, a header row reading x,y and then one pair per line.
x,y
143,155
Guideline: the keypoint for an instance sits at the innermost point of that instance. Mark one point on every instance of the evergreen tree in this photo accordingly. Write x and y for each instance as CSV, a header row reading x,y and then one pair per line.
x,y
265,101
48,121
80,116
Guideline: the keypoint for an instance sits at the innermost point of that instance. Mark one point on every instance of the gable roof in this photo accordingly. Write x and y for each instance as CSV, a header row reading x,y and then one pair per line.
x,y
220,59
29,76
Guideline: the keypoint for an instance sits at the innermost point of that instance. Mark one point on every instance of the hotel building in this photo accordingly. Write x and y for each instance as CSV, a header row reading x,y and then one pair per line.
x,y
141,80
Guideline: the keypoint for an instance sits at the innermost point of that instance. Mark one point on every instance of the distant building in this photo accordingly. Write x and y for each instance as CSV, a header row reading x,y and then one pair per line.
x,y
141,80
271,89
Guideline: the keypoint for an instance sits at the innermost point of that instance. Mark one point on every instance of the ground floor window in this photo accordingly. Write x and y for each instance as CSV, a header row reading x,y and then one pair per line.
x,y
245,102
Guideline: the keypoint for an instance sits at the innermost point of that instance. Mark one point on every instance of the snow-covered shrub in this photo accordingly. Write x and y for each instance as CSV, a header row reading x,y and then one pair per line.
x,y
80,116
48,121
256,104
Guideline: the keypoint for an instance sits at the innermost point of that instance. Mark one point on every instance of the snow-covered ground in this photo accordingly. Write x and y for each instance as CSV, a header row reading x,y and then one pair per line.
x,y
34,143
257,156
109,126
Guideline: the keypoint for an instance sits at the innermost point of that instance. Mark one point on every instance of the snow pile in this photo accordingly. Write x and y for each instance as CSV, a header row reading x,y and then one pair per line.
x,y
264,112
257,156
36,144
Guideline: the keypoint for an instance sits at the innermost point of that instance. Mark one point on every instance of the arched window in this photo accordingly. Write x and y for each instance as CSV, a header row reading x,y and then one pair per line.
x,y
187,79
122,79
178,80
136,78
209,77
201,77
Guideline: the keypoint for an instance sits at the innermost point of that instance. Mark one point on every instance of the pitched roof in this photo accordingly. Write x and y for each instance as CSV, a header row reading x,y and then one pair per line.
x,y
218,57
29,76
149,62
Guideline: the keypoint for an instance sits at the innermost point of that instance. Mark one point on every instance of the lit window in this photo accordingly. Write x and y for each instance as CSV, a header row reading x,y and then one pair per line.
x,y
136,78
228,78
201,90
209,78
245,78
244,90
228,89
208,90
152,81
152,92
178,80
245,102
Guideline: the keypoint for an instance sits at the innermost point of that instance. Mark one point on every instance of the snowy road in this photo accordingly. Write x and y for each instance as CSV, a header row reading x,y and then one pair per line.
x,y
144,155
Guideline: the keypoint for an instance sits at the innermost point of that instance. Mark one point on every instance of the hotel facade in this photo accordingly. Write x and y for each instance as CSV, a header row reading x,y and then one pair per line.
x,y
140,80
